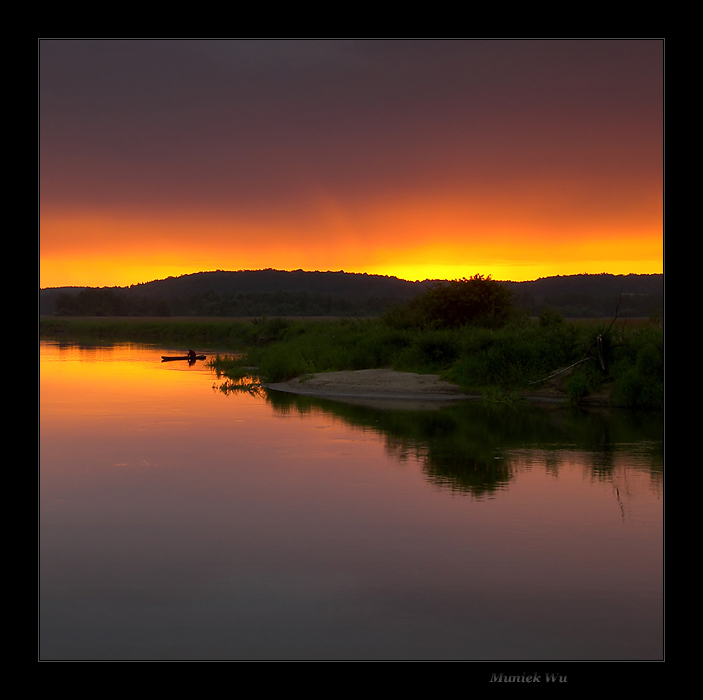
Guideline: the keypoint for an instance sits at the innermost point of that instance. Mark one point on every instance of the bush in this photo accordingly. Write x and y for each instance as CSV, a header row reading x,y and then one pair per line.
x,y
638,371
478,301
577,385
438,348
550,318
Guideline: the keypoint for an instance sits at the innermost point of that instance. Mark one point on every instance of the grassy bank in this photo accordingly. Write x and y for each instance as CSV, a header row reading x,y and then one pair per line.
x,y
628,363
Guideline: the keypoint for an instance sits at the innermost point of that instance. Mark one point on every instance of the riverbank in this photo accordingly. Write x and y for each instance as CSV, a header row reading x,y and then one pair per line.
x,y
551,360
387,386
560,362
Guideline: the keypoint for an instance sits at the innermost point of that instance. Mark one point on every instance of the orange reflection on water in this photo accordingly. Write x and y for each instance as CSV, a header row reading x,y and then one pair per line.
x,y
120,403
160,494
133,379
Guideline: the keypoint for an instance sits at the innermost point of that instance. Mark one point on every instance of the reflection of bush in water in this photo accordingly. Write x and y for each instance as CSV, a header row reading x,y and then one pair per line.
x,y
456,450
459,473
447,466
464,446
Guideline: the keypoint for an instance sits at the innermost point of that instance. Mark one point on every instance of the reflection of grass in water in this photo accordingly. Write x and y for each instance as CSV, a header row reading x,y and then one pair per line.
x,y
476,447
231,366
241,386
239,376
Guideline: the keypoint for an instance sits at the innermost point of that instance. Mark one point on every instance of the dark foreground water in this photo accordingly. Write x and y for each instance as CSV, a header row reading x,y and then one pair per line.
x,y
181,522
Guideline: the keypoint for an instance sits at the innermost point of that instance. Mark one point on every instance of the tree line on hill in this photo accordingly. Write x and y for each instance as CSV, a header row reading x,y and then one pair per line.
x,y
110,302
278,293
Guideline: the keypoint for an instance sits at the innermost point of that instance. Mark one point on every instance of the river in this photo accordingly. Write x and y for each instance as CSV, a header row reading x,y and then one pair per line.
x,y
179,521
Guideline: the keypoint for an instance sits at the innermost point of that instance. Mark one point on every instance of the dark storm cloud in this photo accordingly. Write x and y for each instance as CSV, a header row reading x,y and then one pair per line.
x,y
241,122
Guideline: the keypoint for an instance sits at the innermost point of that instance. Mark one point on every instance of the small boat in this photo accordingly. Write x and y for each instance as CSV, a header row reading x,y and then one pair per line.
x,y
165,358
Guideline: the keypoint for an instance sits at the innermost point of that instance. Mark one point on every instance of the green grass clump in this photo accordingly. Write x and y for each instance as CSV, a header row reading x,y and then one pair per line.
x,y
514,355
309,347
638,369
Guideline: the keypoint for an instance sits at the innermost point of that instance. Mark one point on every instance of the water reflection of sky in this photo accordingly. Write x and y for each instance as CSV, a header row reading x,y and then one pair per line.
x,y
180,522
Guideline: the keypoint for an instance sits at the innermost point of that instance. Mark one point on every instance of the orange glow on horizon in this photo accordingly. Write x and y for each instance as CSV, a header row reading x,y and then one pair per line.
x,y
439,237
421,160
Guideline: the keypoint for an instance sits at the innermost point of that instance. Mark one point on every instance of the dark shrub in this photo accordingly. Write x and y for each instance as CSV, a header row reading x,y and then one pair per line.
x,y
438,348
550,318
478,301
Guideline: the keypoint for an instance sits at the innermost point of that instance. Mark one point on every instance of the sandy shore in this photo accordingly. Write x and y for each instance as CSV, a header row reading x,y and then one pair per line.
x,y
405,389
378,384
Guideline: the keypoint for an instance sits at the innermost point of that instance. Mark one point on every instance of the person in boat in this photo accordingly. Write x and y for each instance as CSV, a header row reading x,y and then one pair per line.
x,y
191,355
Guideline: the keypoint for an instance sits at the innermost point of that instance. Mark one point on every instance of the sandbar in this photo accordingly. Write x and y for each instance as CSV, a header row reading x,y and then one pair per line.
x,y
407,389
379,384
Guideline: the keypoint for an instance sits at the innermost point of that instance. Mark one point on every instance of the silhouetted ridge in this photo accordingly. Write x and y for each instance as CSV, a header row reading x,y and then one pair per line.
x,y
343,284
299,293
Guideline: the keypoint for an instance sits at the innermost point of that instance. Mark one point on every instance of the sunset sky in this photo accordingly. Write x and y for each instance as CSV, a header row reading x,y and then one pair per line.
x,y
419,159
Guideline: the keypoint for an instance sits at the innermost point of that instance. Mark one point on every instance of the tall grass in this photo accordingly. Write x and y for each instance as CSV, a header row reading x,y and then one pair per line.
x,y
192,332
503,360
638,369
476,359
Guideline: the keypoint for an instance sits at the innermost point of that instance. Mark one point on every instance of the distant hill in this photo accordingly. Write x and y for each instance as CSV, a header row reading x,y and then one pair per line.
x,y
340,284
242,293
593,284
299,293
577,296
48,296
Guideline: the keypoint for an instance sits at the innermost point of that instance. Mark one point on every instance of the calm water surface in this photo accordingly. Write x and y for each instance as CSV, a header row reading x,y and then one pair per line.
x,y
178,521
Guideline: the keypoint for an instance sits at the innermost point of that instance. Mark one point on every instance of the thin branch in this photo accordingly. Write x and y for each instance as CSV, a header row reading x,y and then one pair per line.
x,y
597,342
561,371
